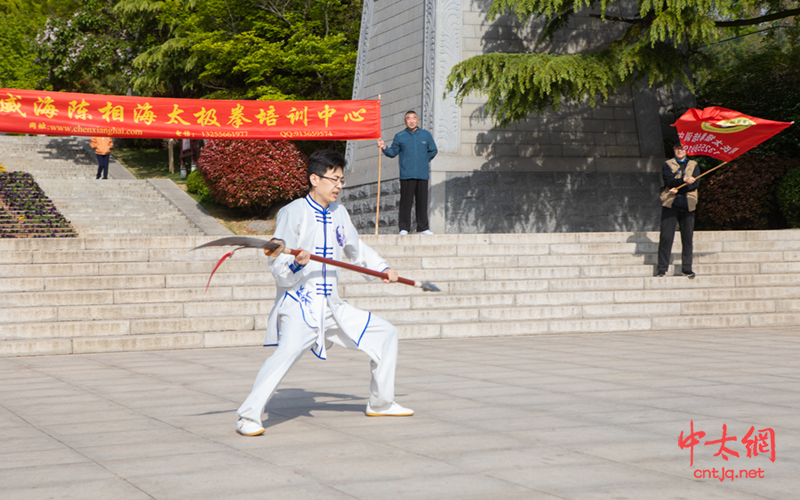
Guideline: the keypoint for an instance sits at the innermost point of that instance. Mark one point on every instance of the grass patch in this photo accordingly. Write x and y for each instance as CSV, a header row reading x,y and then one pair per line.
x,y
146,163
153,163
234,219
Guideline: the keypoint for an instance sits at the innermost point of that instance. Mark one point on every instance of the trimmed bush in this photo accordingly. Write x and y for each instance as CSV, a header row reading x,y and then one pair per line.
x,y
789,197
742,195
253,175
195,184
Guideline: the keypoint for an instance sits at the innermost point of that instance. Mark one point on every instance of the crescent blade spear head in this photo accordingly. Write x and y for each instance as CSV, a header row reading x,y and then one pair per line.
x,y
273,248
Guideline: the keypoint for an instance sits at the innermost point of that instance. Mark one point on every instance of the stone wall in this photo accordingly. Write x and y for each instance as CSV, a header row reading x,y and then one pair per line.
x,y
556,156
390,65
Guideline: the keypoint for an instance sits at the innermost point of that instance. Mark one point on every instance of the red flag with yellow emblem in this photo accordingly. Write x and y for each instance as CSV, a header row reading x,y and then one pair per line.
x,y
723,133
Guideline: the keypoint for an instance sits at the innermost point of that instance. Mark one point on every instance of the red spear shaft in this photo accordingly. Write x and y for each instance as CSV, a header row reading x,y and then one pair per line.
x,y
274,247
345,265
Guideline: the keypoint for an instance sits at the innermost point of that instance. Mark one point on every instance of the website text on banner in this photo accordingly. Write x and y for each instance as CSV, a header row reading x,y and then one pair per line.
x,y
61,113
723,133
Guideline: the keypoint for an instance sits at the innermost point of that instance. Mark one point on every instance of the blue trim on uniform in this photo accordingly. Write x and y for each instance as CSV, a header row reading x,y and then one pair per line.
x,y
365,329
327,252
303,311
315,352
386,269
278,326
295,267
316,206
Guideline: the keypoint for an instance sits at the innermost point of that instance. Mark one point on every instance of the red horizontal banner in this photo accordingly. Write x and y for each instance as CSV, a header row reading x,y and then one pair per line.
x,y
61,113
723,133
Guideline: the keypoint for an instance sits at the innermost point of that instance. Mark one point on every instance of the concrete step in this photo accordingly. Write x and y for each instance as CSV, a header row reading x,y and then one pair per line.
x,y
130,293
128,343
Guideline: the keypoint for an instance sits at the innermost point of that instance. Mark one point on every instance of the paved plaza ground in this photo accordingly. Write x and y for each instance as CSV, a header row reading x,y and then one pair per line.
x,y
570,416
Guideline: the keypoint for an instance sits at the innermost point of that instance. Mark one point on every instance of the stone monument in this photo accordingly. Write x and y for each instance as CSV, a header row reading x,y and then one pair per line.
x,y
578,169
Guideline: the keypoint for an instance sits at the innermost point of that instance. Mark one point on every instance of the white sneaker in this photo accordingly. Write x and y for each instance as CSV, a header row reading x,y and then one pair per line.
x,y
403,233
427,231
247,427
390,410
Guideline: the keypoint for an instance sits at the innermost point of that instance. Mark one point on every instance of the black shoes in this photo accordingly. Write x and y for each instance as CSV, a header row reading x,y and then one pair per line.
x,y
689,275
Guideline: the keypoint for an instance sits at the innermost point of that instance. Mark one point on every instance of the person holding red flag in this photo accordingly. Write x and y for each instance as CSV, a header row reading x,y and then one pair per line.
x,y
721,133
678,204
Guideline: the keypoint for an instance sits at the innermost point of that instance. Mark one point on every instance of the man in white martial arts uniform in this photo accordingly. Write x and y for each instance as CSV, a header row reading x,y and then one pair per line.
x,y
308,313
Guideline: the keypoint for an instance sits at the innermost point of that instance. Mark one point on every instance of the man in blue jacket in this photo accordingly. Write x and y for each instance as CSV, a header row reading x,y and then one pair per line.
x,y
416,149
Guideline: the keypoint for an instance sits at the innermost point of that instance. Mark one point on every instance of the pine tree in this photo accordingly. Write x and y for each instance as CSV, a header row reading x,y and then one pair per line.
x,y
657,48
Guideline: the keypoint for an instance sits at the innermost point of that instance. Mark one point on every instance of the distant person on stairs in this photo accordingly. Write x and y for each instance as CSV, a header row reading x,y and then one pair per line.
x,y
102,147
677,206
308,314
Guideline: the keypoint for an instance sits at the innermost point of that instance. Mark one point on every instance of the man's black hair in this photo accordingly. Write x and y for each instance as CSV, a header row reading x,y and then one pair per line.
x,y
411,112
321,161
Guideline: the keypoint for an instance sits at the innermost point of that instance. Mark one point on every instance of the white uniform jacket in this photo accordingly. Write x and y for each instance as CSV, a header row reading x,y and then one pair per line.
x,y
326,232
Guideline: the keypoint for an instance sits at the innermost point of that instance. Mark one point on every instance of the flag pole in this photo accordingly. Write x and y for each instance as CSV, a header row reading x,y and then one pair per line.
x,y
704,173
378,204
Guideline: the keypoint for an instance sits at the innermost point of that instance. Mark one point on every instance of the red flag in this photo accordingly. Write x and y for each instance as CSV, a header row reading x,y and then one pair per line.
x,y
723,133
63,113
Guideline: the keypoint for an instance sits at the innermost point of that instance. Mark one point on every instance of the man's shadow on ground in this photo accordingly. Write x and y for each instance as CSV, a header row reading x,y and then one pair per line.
x,y
287,404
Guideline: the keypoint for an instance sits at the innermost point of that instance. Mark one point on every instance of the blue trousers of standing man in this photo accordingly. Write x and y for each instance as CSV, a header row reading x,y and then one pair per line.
x,y
102,166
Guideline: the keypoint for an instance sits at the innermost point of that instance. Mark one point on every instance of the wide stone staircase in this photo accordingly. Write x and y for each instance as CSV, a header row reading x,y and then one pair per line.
x,y
62,168
107,294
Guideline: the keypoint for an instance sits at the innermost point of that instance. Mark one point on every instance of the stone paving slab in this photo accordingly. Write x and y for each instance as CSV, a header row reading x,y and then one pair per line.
x,y
546,417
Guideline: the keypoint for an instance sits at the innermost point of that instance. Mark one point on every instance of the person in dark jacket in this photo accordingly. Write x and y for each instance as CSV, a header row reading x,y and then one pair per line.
x,y
416,149
677,206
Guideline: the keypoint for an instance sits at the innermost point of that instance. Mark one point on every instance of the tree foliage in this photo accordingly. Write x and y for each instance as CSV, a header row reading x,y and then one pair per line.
x,y
658,46
250,49
91,50
762,82
20,20
253,49
788,196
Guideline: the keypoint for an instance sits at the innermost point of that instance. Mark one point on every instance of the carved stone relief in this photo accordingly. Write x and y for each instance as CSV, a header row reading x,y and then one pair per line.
x,y
447,125
361,65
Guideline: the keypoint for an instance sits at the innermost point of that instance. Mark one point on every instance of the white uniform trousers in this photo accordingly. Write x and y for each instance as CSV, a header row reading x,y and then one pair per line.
x,y
379,341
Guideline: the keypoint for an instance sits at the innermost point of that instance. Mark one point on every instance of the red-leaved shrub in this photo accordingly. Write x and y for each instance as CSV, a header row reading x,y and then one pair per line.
x,y
742,195
253,174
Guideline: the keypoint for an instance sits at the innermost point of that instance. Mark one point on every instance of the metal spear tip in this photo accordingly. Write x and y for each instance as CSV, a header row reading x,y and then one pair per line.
x,y
427,286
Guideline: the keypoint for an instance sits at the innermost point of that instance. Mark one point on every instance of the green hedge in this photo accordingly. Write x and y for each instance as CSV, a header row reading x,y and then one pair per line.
x,y
195,184
743,194
789,197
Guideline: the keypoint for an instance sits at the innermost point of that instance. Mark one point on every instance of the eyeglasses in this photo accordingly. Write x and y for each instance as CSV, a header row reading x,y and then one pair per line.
x,y
338,180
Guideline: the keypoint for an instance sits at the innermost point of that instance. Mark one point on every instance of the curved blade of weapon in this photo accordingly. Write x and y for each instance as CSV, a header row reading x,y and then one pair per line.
x,y
238,241
269,246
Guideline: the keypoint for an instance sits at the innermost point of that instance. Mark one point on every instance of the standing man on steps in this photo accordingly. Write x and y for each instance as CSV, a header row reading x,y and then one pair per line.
x,y
102,148
677,206
416,149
